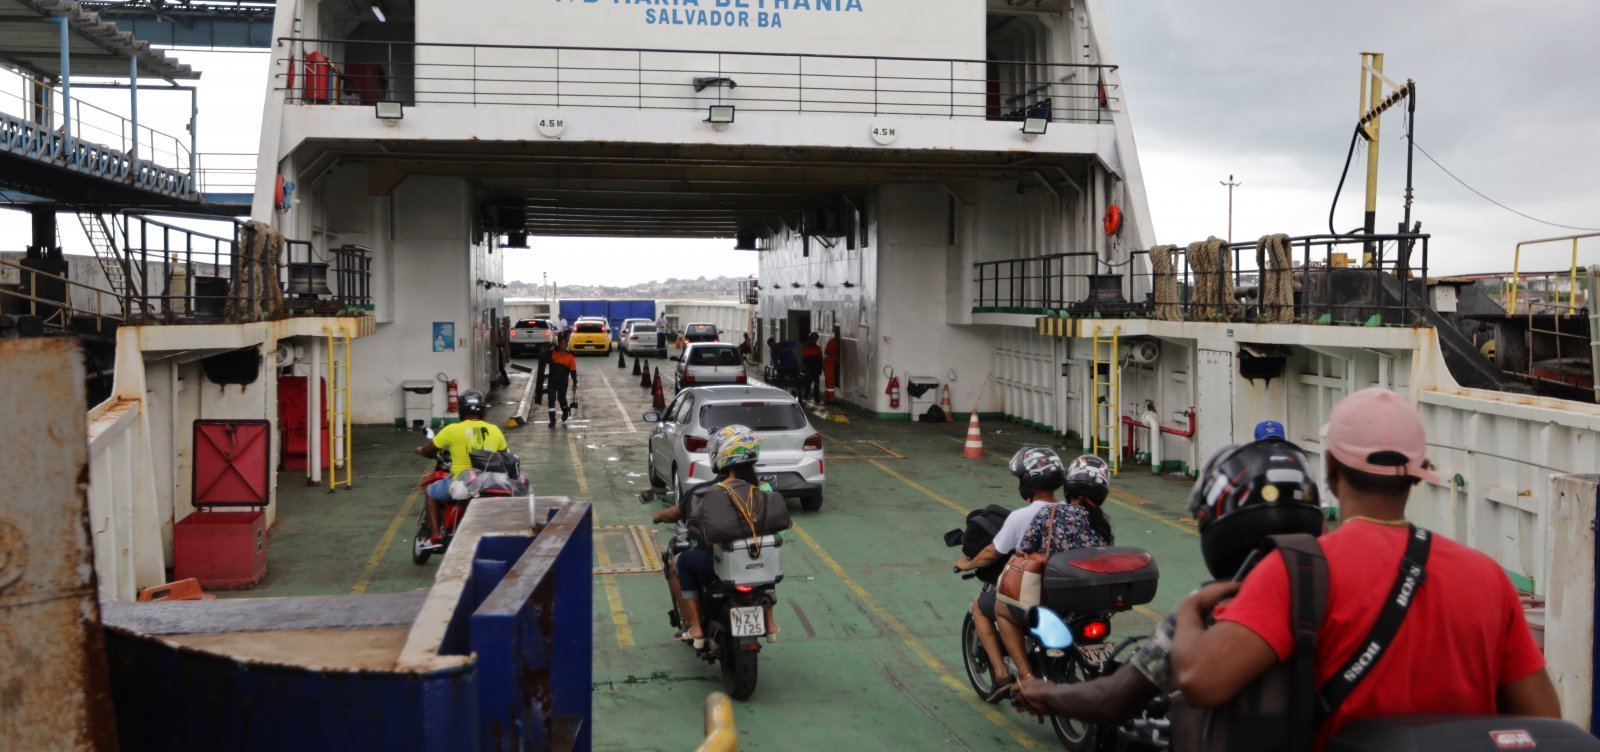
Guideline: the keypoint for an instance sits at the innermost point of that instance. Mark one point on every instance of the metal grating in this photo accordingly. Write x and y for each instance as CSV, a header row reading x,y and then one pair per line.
x,y
636,540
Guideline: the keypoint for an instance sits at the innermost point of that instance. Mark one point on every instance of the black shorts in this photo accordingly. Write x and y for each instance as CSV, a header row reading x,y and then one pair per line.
x,y
987,602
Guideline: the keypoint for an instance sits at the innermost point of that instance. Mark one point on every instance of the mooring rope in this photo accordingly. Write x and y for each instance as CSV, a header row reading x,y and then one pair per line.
x,y
1166,283
1213,284
1274,259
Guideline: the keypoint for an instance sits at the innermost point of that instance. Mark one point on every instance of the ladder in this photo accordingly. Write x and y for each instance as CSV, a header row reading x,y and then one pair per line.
x,y
339,463
104,243
1107,394
1594,329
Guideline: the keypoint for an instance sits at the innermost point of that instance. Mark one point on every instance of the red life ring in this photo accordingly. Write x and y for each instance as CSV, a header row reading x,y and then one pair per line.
x,y
1113,220
277,193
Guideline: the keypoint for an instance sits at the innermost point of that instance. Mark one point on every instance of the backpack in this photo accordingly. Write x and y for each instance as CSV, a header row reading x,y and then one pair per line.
x,y
1281,708
982,526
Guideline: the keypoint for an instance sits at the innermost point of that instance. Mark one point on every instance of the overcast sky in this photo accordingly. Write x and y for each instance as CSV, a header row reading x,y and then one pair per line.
x,y
1509,100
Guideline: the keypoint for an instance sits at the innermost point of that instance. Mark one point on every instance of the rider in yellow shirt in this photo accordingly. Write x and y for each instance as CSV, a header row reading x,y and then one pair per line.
x,y
460,440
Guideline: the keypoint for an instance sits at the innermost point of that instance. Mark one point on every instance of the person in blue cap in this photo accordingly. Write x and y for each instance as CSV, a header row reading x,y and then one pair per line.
x,y
1271,429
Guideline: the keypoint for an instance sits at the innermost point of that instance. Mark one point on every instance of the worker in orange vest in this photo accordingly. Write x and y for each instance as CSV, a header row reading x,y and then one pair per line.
x,y
811,362
830,366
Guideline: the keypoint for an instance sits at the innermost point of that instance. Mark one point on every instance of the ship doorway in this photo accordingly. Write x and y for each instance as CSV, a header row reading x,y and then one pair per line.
x,y
1019,46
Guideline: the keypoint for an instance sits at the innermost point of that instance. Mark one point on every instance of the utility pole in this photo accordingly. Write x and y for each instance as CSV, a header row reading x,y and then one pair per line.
x,y
1231,185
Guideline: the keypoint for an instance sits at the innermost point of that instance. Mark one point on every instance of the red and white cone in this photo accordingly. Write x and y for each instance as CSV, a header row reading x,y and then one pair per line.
x,y
944,404
974,447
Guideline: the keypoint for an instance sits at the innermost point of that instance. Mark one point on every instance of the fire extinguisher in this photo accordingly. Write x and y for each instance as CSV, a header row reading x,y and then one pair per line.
x,y
452,395
319,78
893,390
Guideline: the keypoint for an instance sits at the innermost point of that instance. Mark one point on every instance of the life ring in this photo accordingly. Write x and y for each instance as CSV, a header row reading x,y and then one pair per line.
x,y
1113,220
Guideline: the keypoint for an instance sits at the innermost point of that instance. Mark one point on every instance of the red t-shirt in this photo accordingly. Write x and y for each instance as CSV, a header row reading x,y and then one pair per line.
x,y
1463,637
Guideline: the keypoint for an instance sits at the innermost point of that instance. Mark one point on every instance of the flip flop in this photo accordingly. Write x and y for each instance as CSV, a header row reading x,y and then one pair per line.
x,y
1002,688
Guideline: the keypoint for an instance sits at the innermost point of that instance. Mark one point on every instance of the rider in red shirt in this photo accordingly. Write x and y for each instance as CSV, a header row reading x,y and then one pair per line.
x,y
1463,647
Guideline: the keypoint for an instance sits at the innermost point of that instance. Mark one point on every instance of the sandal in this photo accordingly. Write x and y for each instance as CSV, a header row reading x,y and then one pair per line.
x,y
1004,686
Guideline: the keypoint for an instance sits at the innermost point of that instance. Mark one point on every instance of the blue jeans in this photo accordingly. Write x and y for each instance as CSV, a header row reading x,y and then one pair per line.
x,y
439,490
694,566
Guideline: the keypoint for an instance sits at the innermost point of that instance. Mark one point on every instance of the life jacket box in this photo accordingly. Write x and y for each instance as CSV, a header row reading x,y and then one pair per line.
x,y
1426,733
222,550
735,563
1102,578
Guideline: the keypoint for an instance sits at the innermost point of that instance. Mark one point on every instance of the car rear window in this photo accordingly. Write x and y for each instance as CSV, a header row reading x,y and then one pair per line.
x,y
644,329
532,324
591,327
713,356
764,416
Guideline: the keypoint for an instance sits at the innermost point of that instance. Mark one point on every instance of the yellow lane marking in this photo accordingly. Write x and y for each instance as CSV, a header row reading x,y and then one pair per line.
x,y
900,631
619,615
918,486
382,549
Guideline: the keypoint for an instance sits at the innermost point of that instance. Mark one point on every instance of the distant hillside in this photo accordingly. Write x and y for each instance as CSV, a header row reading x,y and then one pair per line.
x,y
718,287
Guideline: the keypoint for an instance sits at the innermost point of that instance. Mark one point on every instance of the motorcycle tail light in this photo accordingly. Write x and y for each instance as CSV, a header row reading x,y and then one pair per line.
x,y
695,443
744,589
814,441
1095,630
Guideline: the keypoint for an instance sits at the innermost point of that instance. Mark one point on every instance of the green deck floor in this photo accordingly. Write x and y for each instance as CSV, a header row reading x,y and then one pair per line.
x,y
870,613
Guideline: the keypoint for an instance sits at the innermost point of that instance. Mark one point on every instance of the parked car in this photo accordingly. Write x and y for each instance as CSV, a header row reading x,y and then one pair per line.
x,y
532,336
622,328
700,333
703,363
590,336
792,458
640,339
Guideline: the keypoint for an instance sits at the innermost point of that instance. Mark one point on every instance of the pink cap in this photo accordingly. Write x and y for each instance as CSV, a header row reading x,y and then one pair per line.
x,y
1379,432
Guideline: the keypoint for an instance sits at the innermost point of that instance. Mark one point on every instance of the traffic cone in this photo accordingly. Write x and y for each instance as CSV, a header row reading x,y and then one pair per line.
x,y
644,376
974,447
944,404
658,400
622,360
636,366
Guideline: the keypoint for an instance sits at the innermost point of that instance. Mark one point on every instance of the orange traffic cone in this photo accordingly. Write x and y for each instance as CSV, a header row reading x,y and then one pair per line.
x,y
944,404
974,447
658,400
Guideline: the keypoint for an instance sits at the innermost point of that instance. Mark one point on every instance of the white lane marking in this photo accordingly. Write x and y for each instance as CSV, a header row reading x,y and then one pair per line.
x,y
618,402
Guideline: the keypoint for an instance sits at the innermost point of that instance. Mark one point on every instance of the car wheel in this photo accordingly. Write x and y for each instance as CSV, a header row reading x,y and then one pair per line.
x,y
811,503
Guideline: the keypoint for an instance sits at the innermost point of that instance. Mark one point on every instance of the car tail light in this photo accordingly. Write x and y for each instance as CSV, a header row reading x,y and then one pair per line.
x,y
513,333
739,379
1095,630
814,441
688,378
694,444
1112,563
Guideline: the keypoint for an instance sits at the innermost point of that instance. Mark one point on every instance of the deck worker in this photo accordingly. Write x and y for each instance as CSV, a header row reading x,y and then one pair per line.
x,y
1463,645
460,440
830,366
811,363
1225,546
661,333
563,369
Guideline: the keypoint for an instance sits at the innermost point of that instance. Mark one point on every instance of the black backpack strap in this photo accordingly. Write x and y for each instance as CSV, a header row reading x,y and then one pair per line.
x,y
1308,605
1413,571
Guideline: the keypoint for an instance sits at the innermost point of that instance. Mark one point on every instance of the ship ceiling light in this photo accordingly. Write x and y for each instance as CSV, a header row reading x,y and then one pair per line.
x,y
720,114
388,110
1033,127
377,12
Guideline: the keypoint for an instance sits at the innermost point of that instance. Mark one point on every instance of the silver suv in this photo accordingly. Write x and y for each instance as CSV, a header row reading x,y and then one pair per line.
x,y
792,459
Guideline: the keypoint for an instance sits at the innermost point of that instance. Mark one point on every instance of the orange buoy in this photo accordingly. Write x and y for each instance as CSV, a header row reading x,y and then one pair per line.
x,y
1113,219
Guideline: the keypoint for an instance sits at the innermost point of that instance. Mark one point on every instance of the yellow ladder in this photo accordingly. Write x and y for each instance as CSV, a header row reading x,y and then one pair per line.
x,y
339,465
1107,391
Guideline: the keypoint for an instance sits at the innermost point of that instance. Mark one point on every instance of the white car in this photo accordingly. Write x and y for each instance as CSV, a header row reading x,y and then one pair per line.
x,y
703,363
642,340
792,459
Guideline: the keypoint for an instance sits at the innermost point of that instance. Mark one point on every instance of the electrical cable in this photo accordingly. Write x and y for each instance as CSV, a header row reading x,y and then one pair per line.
x,y
1349,155
1492,201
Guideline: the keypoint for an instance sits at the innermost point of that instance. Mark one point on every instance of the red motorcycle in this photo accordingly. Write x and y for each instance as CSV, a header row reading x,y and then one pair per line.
x,y
493,474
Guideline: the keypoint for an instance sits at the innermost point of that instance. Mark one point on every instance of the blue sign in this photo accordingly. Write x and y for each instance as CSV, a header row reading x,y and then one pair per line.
x,y
444,336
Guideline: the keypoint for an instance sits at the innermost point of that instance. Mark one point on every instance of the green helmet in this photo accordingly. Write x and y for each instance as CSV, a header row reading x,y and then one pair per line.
x,y
734,445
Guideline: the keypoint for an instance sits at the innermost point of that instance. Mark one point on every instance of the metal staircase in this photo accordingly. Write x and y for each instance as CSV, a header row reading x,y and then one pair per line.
x,y
112,262
1107,391
339,465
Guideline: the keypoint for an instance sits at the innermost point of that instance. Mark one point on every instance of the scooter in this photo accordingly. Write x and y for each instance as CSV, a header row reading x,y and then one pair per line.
x,y
733,606
451,512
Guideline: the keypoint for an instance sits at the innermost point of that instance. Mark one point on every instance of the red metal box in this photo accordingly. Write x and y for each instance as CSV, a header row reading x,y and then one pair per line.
x,y
221,549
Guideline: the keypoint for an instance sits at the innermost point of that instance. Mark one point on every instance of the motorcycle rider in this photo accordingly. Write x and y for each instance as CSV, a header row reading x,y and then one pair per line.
x,y
1463,647
460,440
1231,525
732,509
1040,473
677,513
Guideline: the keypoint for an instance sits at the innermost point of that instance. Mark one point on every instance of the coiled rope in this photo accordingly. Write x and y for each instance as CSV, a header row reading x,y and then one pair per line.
x,y
1167,305
1274,259
1213,283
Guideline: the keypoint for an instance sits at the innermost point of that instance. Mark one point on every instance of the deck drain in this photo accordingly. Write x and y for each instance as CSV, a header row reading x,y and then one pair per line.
x,y
635,540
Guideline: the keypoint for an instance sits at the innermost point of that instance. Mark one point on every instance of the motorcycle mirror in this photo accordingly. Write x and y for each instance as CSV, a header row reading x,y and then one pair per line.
x,y
953,538
1051,631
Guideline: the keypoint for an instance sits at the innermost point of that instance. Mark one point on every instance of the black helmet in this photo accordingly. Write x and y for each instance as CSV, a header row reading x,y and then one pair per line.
x,y
471,402
1037,469
1088,477
1248,492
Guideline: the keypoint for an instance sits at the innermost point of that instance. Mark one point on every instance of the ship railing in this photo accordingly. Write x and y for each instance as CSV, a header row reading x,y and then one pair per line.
x,y
360,72
45,114
65,305
227,172
1551,304
1328,285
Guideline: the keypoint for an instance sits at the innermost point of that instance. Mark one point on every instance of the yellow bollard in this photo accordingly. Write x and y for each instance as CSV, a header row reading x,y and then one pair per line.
x,y
721,736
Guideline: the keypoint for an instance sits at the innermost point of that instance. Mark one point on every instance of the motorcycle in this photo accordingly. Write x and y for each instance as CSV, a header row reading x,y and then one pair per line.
x,y
1090,586
1053,638
493,474
733,607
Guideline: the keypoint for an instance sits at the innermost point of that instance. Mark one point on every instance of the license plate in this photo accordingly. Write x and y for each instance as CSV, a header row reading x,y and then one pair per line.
x,y
1096,655
748,621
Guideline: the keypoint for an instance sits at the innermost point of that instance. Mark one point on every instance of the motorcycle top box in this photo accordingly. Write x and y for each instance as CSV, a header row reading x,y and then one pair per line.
x,y
1102,578
739,563
1426,733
